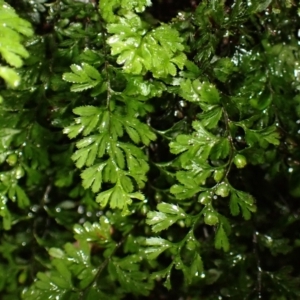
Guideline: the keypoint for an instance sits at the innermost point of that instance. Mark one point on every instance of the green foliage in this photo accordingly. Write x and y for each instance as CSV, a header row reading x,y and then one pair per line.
x,y
149,149
158,51
12,51
85,77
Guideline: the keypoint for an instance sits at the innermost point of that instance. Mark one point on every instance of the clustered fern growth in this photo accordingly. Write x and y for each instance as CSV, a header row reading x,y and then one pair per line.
x,y
149,154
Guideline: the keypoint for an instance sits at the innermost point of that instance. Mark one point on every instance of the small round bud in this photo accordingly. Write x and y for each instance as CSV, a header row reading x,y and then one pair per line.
x,y
223,190
211,218
240,161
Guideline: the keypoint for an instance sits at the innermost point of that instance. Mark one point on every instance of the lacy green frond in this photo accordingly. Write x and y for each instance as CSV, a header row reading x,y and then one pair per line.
x,y
12,51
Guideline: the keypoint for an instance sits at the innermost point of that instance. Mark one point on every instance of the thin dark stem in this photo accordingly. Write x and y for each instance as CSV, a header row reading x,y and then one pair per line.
x,y
102,267
259,271
229,136
105,53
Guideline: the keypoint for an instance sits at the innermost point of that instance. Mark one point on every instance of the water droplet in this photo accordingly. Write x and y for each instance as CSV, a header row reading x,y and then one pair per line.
x,y
99,213
35,208
80,209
